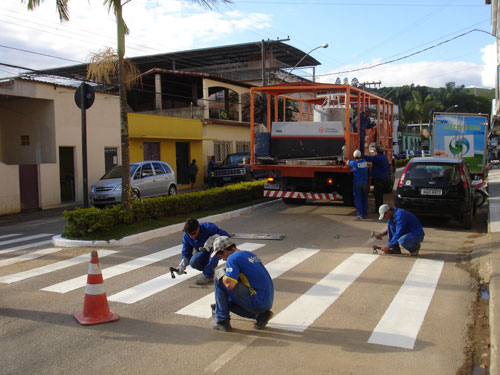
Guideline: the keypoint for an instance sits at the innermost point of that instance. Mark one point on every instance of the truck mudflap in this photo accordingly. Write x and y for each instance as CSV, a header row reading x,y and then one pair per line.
x,y
299,195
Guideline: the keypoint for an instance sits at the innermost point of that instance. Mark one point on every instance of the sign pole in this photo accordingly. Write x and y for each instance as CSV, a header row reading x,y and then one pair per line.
x,y
83,107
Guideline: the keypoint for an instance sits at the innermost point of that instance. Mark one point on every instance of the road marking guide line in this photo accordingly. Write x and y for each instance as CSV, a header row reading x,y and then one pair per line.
x,y
401,322
10,235
162,282
201,307
27,246
107,273
25,238
307,308
29,256
52,267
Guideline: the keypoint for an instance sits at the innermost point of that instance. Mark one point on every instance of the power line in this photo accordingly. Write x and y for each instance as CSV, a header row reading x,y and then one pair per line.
x,y
404,57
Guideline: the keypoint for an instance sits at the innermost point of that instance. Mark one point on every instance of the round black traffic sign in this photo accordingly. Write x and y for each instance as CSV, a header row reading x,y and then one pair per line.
x,y
89,96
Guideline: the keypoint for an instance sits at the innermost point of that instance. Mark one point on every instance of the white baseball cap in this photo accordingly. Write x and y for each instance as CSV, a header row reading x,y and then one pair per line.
x,y
382,210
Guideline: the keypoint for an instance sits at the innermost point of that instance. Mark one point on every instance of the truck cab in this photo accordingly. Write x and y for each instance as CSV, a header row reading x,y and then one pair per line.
x,y
235,168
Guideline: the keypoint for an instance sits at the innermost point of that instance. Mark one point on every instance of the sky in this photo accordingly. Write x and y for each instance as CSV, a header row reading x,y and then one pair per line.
x,y
420,42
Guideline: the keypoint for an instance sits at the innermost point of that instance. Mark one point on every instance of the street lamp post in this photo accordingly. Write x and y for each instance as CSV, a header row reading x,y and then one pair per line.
x,y
453,106
325,45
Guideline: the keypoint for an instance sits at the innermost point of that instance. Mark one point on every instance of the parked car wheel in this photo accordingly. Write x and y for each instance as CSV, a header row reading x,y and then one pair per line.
x,y
136,194
172,190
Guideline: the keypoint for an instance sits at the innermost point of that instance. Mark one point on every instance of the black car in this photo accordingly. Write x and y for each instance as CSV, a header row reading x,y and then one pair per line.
x,y
236,168
437,186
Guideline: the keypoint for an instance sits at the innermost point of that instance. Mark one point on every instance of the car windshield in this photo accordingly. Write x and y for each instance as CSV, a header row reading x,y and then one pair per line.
x,y
445,172
116,172
236,158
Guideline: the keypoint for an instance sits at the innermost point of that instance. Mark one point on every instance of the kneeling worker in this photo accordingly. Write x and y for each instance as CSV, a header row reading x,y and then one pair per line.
x,y
243,287
403,228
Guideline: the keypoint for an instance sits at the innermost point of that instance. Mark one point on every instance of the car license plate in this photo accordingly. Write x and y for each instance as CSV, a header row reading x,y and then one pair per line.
x,y
271,186
226,178
431,192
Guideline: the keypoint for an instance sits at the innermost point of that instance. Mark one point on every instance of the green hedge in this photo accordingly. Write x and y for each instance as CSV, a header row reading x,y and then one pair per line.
x,y
82,221
402,162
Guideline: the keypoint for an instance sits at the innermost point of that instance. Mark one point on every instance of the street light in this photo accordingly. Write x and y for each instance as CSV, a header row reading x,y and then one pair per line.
x,y
453,106
325,45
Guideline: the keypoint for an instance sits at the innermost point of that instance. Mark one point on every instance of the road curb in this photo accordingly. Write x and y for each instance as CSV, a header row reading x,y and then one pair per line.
x,y
494,318
155,233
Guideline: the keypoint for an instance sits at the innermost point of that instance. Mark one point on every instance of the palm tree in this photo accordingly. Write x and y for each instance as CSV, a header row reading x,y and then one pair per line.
x,y
116,6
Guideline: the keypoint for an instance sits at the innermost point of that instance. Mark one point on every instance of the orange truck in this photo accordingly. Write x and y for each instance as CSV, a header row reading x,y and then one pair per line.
x,y
303,133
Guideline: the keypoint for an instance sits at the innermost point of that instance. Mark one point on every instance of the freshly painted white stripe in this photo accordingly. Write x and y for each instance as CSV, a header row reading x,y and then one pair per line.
x,y
27,246
119,269
94,269
52,267
10,235
25,238
94,289
307,308
160,283
402,320
24,257
201,307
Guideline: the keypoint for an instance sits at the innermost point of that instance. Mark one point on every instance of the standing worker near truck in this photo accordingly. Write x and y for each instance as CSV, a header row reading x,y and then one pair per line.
x,y
360,188
379,174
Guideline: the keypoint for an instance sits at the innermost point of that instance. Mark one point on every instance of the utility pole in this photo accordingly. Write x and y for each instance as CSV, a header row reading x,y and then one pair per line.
x,y
264,45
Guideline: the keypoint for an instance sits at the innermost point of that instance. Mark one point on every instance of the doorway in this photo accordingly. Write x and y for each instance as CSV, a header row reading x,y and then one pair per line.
x,y
182,162
28,186
67,174
151,150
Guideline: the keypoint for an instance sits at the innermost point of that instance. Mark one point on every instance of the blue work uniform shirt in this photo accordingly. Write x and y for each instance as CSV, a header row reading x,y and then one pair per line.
x,y
380,166
360,171
246,267
405,223
206,230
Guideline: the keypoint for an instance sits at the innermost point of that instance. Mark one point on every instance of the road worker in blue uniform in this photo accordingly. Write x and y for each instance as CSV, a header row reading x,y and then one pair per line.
x,y
243,287
379,174
404,229
197,247
364,123
360,184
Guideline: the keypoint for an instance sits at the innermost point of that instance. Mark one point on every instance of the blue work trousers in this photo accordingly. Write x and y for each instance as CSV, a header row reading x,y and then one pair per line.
x,y
410,241
201,261
361,199
237,300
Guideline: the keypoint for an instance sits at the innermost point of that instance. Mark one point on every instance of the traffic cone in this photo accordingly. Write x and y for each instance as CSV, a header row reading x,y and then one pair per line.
x,y
95,304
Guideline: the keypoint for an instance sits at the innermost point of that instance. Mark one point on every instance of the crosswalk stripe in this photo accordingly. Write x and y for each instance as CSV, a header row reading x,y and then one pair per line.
x,y
26,238
160,283
29,256
307,308
201,307
107,273
10,235
27,246
52,267
402,320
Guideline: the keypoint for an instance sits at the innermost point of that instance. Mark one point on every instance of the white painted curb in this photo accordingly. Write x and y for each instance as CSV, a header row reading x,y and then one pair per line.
x,y
155,233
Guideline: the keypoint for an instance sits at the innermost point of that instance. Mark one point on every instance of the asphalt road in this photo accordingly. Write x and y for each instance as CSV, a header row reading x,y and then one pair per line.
x,y
338,307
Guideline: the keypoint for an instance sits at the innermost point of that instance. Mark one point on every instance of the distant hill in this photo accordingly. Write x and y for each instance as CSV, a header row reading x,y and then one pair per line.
x,y
487,93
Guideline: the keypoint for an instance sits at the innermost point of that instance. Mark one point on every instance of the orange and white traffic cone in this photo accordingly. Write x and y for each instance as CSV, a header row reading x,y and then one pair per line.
x,y
95,304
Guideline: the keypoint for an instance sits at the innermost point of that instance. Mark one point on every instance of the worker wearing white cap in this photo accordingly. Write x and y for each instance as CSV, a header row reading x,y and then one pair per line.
x,y
360,184
404,230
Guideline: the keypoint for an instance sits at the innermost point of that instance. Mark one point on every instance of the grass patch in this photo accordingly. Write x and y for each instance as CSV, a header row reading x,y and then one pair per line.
x,y
124,230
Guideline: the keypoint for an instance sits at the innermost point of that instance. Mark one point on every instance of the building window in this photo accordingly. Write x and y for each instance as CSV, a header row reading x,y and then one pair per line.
x,y
110,157
221,150
242,146
25,140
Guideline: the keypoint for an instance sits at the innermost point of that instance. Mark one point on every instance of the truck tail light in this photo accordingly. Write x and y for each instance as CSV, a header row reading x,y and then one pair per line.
x,y
329,181
403,175
270,179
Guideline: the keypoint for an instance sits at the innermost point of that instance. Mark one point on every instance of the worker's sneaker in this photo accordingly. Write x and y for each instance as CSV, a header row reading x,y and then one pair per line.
x,y
415,253
394,250
204,280
359,217
262,319
212,306
223,325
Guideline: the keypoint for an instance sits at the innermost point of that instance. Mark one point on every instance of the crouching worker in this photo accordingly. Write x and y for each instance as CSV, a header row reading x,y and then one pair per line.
x,y
244,287
403,228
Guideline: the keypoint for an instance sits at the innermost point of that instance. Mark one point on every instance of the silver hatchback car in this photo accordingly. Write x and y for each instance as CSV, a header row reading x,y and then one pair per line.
x,y
148,179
